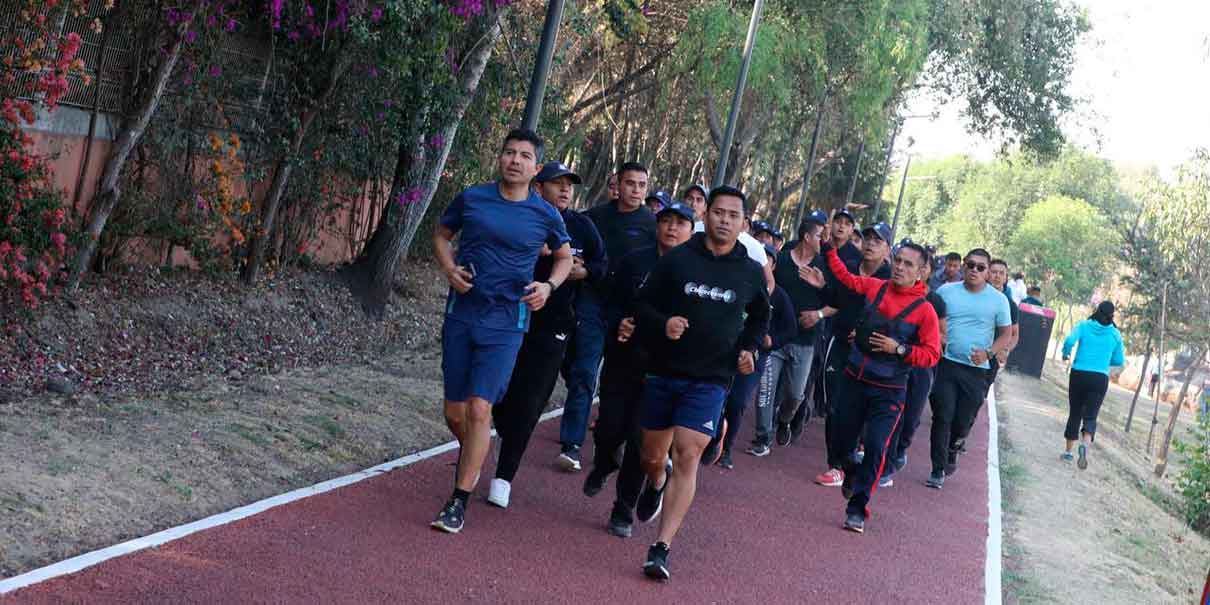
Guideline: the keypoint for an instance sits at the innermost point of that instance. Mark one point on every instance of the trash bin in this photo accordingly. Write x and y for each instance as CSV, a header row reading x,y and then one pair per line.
x,y
1030,355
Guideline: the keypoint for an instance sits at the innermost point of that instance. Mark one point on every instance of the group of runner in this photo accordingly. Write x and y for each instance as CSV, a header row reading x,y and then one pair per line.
x,y
690,310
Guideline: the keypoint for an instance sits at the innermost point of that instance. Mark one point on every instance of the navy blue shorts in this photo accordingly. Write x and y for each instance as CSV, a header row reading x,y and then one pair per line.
x,y
693,404
477,361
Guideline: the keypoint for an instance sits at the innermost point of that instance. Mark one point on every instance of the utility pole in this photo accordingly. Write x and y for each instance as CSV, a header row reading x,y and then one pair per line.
x,y
848,198
546,51
899,203
809,170
1159,392
720,171
886,165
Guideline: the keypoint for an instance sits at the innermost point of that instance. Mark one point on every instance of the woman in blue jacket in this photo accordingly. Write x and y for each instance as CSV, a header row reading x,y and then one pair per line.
x,y
1100,346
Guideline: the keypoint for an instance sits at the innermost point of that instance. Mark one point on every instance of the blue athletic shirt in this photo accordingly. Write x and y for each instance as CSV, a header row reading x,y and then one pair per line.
x,y
1099,347
500,242
972,319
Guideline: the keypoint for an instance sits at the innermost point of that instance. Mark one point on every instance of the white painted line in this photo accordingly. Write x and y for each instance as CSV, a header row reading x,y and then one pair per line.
x,y
991,569
87,560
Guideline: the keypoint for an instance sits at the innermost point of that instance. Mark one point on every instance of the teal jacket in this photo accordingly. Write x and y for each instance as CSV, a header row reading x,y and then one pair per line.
x,y
1100,347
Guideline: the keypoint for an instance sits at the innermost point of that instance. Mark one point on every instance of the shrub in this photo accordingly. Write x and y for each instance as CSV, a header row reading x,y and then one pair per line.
x,y
1194,479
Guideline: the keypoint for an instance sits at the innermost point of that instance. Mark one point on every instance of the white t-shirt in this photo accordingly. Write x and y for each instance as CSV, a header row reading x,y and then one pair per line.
x,y
756,250
1017,288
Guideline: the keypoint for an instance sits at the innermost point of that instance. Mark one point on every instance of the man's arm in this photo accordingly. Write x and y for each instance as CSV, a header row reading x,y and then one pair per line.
x,y
856,283
539,292
646,314
756,325
443,249
1004,335
927,350
595,260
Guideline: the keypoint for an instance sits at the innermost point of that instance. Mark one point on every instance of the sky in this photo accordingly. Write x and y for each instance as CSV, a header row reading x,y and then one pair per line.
x,y
1143,77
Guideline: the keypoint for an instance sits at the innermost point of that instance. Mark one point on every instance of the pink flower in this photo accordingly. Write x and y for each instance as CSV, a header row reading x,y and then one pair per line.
x,y
231,25
376,15
215,71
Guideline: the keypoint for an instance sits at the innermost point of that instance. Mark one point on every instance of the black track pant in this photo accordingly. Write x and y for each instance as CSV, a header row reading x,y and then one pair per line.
x,y
618,423
920,382
834,384
1085,394
529,390
957,396
870,414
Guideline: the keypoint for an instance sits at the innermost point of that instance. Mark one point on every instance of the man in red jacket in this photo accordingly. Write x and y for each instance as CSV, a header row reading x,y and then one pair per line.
x,y
897,330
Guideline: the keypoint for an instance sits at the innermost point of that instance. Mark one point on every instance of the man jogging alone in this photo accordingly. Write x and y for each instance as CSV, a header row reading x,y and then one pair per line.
x,y
977,329
503,226
691,315
896,331
622,374
541,354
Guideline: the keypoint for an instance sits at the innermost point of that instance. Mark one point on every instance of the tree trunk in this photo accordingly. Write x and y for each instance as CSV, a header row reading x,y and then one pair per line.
x,y
1162,460
281,174
1142,380
108,193
370,276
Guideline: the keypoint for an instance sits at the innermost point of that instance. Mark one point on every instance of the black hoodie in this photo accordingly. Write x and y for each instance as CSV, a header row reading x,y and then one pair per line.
x,y
713,293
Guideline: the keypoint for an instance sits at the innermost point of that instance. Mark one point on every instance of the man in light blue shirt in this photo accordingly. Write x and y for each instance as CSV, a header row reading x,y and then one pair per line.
x,y
978,328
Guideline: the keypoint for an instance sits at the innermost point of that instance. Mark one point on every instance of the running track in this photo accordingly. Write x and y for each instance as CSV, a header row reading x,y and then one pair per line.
x,y
762,533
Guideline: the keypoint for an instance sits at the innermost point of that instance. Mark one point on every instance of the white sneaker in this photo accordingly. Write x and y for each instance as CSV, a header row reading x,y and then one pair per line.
x,y
499,492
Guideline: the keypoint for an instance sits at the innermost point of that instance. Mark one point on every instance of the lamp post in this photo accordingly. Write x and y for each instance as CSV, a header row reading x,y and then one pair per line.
x,y
720,171
546,51
886,165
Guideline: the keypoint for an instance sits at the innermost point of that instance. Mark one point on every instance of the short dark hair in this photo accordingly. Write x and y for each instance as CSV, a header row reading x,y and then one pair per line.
x,y
631,167
980,252
953,256
1018,275
722,190
998,261
529,136
924,254
1033,289
806,225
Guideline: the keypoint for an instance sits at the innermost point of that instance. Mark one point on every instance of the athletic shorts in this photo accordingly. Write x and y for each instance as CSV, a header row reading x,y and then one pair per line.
x,y
693,404
477,361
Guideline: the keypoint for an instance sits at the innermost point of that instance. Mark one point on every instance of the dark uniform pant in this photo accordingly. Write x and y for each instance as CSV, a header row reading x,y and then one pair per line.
x,y
529,391
877,408
617,425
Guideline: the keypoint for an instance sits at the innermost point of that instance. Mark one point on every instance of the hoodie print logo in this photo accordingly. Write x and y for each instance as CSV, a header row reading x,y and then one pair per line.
x,y
710,292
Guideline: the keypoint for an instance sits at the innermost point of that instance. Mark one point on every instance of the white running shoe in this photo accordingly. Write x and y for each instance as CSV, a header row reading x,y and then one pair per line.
x,y
499,492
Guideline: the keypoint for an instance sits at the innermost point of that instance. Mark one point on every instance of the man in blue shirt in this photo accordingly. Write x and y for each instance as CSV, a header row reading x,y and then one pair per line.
x,y
978,328
504,227
541,353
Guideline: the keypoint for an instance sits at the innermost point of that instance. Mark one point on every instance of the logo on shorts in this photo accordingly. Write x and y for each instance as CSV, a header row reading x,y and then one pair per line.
x,y
710,292
709,425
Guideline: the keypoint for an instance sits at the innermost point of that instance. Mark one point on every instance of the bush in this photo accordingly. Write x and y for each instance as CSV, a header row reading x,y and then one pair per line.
x,y
1194,480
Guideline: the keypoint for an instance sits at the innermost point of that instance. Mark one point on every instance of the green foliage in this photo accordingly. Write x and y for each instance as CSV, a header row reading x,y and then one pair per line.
x,y
1193,482
1065,245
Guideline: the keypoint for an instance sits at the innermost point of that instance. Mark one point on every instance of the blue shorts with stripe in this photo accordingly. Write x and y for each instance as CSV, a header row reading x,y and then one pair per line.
x,y
477,361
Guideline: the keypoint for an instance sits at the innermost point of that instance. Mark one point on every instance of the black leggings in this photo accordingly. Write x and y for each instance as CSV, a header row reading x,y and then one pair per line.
x,y
529,390
1085,393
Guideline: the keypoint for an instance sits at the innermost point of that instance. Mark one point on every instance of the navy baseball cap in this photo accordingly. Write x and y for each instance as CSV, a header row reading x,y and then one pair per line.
x,y
771,252
554,170
683,210
818,217
881,230
662,197
761,226
845,213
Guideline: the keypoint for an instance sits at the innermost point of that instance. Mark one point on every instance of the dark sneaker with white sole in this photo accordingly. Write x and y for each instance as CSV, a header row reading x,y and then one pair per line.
x,y
936,479
451,518
569,458
783,434
595,482
759,450
855,523
651,500
725,460
656,566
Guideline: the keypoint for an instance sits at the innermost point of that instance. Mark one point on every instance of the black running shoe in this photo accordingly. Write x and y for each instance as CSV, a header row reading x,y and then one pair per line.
x,y
936,479
656,566
595,482
855,523
651,501
451,518
783,434
725,460
621,522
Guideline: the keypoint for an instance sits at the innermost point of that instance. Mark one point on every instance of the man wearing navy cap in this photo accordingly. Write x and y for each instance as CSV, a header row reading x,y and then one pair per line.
x,y
695,197
622,375
764,233
658,201
541,355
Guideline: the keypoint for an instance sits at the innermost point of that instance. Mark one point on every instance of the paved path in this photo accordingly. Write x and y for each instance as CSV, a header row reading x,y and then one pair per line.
x,y
762,533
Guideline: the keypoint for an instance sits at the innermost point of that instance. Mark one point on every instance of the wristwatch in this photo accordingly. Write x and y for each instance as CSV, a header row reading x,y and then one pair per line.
x,y
901,350
820,314
552,285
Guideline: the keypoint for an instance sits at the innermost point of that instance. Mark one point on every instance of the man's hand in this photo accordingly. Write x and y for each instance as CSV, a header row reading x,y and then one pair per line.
x,y
767,343
545,251
1002,357
747,363
812,275
884,344
459,278
539,291
808,319
626,329
979,357
675,327
578,271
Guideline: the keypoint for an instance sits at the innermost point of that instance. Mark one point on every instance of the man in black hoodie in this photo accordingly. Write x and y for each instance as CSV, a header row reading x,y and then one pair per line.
x,y
691,317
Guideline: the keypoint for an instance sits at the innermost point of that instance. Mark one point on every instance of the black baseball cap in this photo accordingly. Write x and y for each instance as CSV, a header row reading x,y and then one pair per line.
x,y
881,230
660,196
554,170
817,217
683,210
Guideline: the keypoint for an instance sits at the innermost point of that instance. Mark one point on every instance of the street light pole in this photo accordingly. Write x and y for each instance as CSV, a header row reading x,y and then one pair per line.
x,y
720,171
809,170
886,165
899,203
848,198
546,51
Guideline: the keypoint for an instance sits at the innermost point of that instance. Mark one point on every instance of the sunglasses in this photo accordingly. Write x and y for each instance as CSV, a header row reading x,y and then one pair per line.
x,y
976,267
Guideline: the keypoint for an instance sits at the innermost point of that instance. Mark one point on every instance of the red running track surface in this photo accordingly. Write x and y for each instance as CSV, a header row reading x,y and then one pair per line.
x,y
761,533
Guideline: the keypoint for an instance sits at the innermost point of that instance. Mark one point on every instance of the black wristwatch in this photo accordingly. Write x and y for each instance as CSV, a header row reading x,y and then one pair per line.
x,y
552,285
